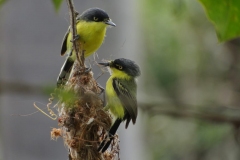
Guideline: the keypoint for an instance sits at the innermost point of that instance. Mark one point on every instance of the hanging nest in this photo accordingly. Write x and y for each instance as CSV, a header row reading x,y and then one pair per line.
x,y
82,119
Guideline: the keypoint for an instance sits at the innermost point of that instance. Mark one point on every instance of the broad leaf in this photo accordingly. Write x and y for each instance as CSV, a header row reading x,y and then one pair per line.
x,y
225,16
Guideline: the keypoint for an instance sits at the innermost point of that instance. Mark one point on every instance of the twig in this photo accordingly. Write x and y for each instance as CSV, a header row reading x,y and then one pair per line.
x,y
73,29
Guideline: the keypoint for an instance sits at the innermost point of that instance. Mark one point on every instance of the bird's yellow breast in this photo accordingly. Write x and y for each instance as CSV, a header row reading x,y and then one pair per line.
x,y
113,102
91,36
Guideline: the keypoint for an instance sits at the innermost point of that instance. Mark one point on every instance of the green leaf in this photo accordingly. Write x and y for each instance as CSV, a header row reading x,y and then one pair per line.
x,y
57,4
225,16
1,2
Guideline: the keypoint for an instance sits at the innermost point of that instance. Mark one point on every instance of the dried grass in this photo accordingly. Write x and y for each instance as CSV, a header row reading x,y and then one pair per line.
x,y
82,120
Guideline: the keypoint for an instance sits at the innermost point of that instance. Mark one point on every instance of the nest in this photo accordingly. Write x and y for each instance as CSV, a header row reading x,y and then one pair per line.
x,y
82,120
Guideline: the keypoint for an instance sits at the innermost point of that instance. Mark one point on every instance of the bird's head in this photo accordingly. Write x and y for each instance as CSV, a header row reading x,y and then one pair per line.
x,y
121,67
96,15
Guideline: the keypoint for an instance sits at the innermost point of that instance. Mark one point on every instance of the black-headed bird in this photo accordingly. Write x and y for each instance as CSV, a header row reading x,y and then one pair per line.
x,y
91,28
121,90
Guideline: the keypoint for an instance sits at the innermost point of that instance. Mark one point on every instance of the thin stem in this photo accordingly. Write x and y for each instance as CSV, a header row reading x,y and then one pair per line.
x,y
73,29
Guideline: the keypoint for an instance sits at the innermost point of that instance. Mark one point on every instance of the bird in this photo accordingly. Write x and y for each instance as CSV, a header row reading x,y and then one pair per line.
x,y
91,28
121,92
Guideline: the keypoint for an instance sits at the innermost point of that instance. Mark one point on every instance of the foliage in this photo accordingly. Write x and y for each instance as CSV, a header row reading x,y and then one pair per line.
x,y
225,16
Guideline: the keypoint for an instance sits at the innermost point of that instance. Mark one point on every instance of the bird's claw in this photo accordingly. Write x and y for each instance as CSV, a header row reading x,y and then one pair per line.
x,y
75,37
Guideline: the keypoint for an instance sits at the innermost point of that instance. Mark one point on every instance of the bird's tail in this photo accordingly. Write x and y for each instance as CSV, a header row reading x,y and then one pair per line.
x,y
65,72
107,141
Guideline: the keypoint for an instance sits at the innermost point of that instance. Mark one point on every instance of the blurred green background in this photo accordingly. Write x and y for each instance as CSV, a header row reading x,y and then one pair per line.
x,y
187,69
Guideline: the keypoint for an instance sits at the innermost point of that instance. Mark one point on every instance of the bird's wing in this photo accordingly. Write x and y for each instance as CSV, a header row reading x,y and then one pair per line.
x,y
64,42
127,97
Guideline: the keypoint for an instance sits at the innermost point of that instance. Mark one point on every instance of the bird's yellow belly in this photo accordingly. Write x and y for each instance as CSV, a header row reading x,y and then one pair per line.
x,y
113,102
91,36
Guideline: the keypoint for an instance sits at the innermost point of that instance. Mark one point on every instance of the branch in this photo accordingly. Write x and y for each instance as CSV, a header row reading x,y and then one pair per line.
x,y
160,109
73,29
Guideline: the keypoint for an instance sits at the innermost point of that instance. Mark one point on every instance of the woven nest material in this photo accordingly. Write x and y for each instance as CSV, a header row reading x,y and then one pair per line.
x,y
82,120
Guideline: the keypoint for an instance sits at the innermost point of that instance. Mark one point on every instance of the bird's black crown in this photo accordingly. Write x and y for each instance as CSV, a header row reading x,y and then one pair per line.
x,y
94,14
128,66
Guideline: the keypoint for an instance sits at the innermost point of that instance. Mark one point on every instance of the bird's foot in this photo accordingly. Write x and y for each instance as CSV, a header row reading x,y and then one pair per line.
x,y
75,37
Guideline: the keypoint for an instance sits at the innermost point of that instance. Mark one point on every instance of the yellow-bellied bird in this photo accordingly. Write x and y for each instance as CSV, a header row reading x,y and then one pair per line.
x,y
121,90
91,28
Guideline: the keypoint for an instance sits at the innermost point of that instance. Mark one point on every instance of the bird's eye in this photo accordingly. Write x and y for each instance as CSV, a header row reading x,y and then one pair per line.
x,y
119,67
95,18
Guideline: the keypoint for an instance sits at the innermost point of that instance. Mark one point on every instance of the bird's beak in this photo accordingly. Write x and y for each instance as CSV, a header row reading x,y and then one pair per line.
x,y
105,64
110,23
